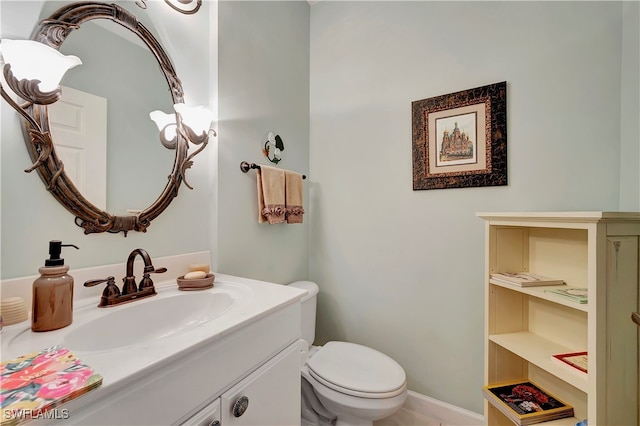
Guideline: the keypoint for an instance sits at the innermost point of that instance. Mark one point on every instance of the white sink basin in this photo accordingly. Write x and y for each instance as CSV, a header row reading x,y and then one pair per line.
x,y
170,318
148,320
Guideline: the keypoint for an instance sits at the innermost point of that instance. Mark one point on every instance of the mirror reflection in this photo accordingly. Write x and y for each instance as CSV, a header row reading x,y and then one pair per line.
x,y
118,162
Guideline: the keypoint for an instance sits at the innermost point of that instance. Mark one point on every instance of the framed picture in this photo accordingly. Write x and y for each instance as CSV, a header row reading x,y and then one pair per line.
x,y
460,139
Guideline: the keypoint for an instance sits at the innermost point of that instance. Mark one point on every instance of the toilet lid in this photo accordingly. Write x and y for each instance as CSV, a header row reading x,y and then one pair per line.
x,y
356,369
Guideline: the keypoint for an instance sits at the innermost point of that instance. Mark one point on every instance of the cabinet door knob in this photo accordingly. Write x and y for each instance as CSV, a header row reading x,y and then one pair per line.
x,y
240,406
635,317
214,423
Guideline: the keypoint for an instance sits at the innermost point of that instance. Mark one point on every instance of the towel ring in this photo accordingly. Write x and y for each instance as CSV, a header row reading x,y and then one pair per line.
x,y
245,167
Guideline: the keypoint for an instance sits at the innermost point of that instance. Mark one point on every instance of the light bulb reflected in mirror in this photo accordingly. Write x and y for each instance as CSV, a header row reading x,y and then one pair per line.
x,y
167,127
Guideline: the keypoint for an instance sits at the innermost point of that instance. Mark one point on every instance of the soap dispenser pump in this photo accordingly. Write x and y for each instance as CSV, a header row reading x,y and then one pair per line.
x,y
52,306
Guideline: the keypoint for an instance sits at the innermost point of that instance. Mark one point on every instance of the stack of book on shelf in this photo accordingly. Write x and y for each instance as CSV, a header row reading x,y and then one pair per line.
x,y
577,294
524,279
525,403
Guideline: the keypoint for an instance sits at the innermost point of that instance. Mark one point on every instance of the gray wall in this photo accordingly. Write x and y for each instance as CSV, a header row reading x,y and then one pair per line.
x,y
263,68
127,75
630,100
402,270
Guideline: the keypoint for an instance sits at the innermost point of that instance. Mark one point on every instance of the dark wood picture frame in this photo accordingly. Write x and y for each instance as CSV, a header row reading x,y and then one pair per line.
x,y
460,139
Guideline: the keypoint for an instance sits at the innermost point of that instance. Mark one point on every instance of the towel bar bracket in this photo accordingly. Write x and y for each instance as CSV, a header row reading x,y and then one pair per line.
x,y
245,167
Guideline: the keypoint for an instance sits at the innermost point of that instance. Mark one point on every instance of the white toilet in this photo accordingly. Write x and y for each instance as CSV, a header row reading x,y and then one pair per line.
x,y
350,384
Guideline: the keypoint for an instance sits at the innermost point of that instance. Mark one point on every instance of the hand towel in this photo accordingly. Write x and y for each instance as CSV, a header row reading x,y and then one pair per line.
x,y
293,196
271,207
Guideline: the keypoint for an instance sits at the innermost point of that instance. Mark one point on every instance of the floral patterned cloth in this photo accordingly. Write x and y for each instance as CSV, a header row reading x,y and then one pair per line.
x,y
37,382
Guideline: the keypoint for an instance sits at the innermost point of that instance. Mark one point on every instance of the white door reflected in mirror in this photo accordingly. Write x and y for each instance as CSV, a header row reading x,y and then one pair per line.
x,y
79,129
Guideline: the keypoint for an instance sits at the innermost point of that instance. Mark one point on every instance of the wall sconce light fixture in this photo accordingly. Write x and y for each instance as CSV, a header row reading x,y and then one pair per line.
x,y
188,124
33,71
177,5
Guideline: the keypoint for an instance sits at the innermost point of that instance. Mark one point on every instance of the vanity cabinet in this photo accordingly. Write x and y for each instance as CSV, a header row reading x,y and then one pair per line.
x,y
268,396
525,326
259,360
208,416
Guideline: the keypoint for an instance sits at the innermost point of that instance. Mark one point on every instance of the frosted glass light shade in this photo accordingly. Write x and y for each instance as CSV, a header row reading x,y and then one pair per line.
x,y
162,120
167,126
32,60
198,118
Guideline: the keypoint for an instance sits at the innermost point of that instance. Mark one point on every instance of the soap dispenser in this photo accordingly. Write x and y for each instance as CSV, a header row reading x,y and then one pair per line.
x,y
52,306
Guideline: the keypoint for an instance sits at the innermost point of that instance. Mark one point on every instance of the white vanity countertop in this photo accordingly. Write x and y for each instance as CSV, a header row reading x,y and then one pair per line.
x,y
253,300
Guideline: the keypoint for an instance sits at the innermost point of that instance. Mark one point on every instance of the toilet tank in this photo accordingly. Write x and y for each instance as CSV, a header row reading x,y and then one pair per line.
x,y
308,309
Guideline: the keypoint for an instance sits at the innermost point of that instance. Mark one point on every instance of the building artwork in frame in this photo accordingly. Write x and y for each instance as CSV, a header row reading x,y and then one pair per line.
x,y
460,139
456,139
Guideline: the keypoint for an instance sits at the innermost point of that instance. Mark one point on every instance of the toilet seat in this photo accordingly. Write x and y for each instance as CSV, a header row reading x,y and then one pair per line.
x,y
357,370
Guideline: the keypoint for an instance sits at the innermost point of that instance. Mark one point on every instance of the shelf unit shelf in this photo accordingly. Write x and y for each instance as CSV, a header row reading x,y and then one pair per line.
x,y
541,293
538,350
525,326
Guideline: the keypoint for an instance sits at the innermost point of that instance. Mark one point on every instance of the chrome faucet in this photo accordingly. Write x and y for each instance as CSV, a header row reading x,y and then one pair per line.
x,y
130,291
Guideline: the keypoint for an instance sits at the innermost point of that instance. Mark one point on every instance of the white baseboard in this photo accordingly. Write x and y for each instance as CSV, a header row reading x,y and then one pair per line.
x,y
446,414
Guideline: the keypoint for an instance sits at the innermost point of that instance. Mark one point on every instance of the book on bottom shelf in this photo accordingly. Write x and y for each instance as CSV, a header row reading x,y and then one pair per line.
x,y
525,279
525,403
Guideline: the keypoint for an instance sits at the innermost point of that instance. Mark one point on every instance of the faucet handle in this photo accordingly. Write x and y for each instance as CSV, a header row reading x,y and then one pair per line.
x,y
110,292
108,280
146,281
150,268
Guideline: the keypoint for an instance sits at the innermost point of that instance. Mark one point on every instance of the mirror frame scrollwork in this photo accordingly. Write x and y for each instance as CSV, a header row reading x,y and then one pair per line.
x,y
53,32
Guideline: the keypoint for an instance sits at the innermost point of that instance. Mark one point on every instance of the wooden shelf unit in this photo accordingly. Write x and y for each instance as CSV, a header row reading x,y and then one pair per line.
x,y
525,326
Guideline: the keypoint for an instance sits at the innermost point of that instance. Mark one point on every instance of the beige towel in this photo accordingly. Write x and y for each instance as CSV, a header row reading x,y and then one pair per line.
x,y
293,196
271,189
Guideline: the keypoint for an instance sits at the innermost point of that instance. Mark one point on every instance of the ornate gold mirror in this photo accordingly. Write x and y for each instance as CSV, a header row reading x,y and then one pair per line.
x,y
53,32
